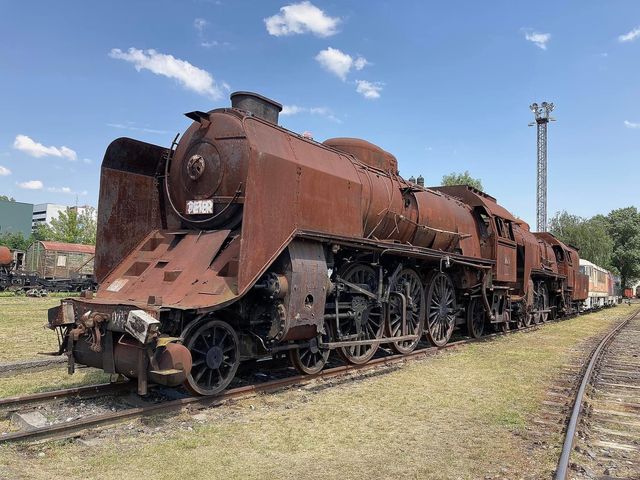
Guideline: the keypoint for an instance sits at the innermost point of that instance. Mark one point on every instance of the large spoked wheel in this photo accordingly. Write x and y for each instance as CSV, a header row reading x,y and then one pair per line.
x,y
215,351
476,318
408,284
366,321
312,359
441,308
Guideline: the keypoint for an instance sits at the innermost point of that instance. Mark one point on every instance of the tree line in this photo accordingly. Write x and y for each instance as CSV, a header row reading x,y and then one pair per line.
x,y
611,241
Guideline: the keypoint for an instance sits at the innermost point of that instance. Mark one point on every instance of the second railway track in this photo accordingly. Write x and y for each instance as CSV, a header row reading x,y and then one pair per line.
x,y
602,439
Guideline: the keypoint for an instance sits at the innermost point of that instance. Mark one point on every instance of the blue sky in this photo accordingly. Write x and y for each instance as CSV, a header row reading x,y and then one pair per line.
x,y
444,86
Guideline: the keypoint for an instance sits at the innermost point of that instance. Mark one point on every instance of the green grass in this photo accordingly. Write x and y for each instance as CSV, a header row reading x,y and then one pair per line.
x,y
23,331
462,414
22,335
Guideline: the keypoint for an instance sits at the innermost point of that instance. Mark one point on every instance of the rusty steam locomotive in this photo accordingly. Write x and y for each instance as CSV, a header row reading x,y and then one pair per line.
x,y
246,240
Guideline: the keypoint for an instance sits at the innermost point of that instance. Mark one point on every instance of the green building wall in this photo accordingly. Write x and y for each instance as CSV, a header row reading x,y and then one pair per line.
x,y
15,217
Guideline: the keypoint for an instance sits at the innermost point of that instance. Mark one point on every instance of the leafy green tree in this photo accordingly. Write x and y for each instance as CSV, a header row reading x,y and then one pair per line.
x,y
70,227
462,179
7,199
591,236
16,240
624,229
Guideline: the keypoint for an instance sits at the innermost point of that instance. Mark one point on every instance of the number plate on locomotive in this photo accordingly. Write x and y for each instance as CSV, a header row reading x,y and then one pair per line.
x,y
199,207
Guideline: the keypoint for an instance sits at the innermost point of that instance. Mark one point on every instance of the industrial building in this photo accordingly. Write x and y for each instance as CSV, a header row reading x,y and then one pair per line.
x,y
43,213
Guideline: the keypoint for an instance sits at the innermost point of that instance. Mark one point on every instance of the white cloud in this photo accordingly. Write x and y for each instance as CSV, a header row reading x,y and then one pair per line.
x,y
360,62
136,129
190,76
35,149
369,90
88,161
630,36
339,63
199,24
539,39
59,190
319,111
31,185
65,190
291,110
4,171
629,124
299,18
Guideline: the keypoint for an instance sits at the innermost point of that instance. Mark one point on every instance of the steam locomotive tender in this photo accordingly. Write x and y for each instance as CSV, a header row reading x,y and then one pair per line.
x,y
245,241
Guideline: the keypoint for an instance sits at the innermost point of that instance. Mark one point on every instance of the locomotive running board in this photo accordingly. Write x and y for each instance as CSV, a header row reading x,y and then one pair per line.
x,y
385,247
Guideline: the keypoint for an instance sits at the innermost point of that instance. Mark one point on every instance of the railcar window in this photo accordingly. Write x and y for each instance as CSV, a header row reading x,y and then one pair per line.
x,y
504,228
559,254
499,227
484,223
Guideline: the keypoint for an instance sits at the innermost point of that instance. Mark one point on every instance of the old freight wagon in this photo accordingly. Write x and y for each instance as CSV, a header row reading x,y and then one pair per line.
x,y
59,260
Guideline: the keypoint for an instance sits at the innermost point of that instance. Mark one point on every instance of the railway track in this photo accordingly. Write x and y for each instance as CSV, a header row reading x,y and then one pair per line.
x,y
7,369
602,438
71,428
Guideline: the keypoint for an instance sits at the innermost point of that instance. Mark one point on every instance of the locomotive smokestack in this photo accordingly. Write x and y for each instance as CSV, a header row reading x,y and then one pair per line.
x,y
260,106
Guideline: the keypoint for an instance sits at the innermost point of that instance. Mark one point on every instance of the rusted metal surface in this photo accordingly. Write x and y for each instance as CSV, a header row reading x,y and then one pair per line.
x,y
129,205
170,269
6,258
365,152
474,198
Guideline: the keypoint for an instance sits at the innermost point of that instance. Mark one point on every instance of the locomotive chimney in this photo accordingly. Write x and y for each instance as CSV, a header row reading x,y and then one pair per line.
x,y
420,181
258,105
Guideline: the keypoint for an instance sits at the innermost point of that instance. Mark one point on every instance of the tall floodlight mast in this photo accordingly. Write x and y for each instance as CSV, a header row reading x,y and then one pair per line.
x,y
541,113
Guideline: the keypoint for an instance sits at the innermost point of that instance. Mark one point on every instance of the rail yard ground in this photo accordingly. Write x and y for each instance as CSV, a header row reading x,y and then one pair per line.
x,y
23,336
465,413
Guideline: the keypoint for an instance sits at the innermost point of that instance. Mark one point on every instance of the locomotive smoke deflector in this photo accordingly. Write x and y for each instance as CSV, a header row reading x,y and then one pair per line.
x,y
258,105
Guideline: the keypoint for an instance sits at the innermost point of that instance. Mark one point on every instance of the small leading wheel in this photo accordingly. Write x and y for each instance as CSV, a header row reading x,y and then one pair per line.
x,y
215,351
475,318
441,309
366,321
408,284
311,359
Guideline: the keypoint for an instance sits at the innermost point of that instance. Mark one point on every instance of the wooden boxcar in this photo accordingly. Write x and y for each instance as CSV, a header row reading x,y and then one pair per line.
x,y
59,260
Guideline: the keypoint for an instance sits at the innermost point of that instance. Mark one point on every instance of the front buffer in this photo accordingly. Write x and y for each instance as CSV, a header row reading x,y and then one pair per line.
x,y
120,340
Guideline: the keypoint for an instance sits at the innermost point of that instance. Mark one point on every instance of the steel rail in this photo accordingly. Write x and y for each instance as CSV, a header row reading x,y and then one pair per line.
x,y
99,389
570,434
30,365
63,430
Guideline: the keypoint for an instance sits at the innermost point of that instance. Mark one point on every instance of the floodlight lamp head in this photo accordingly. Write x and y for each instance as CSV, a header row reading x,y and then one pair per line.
x,y
534,107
